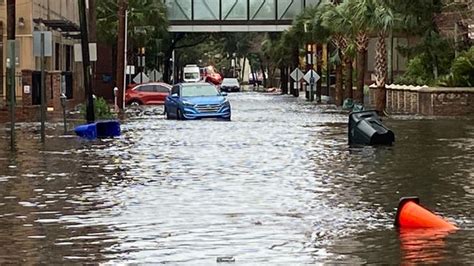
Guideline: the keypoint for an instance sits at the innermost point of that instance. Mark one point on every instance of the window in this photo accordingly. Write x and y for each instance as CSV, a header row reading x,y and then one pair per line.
x,y
191,75
68,57
200,90
234,10
175,90
262,9
57,57
146,88
206,9
179,9
162,89
289,9
231,82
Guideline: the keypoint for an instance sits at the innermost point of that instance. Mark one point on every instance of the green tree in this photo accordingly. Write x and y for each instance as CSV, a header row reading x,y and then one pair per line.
x,y
360,16
382,22
342,24
147,24
339,41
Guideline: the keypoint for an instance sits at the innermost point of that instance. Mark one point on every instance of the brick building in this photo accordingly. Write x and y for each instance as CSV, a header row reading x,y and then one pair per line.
x,y
62,19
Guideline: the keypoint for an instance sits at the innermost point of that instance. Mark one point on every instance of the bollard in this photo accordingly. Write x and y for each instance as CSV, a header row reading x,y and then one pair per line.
x,y
116,99
63,104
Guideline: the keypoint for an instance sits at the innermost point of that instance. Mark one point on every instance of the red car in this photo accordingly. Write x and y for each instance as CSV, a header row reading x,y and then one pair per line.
x,y
148,93
209,74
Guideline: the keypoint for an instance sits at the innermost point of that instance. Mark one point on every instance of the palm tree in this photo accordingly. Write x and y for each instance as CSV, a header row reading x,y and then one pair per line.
x,y
340,42
343,24
381,22
320,34
361,11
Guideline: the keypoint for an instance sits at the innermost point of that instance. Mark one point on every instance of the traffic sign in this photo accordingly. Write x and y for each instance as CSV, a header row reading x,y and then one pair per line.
x,y
141,78
48,43
311,77
155,75
297,75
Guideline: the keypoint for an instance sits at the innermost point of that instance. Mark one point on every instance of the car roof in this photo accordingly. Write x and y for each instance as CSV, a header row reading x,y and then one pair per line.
x,y
194,84
153,83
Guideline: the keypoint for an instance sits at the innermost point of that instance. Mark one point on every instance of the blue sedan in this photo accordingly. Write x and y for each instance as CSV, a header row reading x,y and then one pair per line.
x,y
195,101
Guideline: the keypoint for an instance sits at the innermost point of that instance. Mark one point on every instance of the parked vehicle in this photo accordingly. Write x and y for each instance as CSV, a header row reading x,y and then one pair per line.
x,y
191,73
230,85
210,74
147,93
195,101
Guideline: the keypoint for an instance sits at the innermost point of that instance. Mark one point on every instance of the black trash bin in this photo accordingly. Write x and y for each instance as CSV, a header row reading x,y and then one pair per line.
x,y
366,128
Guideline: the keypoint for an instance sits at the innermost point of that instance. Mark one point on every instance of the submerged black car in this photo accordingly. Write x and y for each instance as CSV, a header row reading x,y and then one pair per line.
x,y
230,85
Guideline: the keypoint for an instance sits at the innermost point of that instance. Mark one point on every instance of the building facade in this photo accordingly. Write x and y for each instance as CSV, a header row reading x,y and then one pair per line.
x,y
61,18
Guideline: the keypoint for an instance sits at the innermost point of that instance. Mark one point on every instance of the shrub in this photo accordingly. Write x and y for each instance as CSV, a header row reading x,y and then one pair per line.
x,y
101,109
462,71
417,73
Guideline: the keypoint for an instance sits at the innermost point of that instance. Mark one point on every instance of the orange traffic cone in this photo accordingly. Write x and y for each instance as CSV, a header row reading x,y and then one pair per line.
x,y
411,215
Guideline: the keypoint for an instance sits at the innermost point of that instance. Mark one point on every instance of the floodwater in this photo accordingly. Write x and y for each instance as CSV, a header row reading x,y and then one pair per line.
x,y
278,185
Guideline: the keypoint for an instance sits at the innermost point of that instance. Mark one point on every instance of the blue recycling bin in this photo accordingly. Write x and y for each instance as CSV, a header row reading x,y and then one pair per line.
x,y
101,129
108,129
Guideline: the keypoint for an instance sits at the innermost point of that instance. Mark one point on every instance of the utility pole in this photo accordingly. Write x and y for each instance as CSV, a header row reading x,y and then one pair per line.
x,y
121,51
86,63
92,31
11,65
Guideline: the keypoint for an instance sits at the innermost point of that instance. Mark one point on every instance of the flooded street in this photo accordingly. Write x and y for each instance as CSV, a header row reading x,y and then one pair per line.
x,y
277,185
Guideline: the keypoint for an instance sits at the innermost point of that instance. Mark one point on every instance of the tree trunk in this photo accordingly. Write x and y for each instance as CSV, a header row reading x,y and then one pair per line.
x,y
339,85
362,41
348,78
319,66
380,73
264,76
361,69
292,84
254,77
284,79
243,69
296,63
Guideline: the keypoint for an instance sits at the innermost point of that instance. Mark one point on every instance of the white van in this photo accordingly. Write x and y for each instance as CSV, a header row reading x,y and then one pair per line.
x,y
191,73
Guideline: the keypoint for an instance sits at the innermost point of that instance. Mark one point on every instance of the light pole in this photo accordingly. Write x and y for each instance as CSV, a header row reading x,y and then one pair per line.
x,y
125,59
310,67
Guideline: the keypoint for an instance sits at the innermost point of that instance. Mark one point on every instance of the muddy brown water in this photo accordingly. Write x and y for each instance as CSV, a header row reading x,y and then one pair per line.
x,y
277,185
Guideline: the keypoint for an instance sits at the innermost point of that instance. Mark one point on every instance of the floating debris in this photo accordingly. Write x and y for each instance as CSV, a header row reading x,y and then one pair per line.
x,y
225,259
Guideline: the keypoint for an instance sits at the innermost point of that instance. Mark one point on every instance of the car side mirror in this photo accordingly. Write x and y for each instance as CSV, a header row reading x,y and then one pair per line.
x,y
224,93
174,95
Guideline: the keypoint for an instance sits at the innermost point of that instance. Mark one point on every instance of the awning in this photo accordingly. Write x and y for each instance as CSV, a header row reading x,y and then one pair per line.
x,y
59,24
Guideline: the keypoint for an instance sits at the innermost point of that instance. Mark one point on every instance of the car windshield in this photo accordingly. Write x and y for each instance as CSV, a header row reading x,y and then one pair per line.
x,y
191,75
233,82
200,90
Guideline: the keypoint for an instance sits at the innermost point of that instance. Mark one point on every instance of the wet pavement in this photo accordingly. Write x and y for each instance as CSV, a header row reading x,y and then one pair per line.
x,y
278,185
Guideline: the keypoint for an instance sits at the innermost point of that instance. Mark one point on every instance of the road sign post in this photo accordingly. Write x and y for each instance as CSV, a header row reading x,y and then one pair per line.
x,y
297,75
42,47
311,78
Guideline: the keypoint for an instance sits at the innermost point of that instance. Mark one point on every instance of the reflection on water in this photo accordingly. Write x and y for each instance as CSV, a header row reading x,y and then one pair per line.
x,y
277,185
427,246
